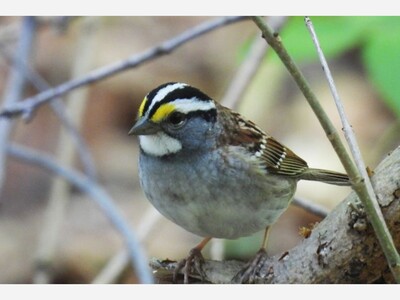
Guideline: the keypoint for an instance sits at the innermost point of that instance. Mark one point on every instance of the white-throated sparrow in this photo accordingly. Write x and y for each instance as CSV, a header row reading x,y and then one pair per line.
x,y
211,171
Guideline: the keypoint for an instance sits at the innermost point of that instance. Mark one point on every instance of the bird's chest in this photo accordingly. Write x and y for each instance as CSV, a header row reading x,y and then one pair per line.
x,y
214,196
172,182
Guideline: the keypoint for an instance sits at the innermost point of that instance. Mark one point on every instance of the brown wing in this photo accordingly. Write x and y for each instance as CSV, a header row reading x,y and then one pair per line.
x,y
281,160
275,157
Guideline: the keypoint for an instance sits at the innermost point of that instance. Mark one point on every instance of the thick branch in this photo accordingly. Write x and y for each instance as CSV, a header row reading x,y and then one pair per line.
x,y
341,249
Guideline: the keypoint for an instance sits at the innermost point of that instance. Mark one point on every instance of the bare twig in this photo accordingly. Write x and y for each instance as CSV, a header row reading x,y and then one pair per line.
x,y
369,200
315,209
15,87
99,195
29,105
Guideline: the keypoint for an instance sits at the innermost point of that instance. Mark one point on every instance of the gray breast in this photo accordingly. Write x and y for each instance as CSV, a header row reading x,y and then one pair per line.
x,y
214,197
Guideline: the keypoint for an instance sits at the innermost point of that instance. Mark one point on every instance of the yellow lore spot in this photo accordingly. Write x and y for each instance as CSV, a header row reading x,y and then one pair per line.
x,y
141,107
162,112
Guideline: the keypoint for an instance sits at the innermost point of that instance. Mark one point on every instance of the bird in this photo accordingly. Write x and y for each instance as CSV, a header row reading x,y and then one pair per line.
x,y
213,172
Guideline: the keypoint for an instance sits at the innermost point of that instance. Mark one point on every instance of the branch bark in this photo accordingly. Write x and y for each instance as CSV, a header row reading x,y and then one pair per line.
x,y
341,249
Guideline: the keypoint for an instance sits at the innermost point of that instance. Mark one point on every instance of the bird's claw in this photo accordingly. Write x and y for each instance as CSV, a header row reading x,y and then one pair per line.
x,y
251,270
193,263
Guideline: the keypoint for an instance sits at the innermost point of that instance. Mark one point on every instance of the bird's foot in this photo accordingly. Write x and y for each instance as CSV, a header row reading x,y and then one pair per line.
x,y
192,263
250,271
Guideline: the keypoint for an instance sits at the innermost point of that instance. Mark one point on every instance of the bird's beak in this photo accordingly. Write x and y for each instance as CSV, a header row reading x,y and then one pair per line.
x,y
144,127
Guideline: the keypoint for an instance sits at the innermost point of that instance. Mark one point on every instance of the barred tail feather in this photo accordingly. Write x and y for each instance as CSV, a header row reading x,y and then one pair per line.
x,y
326,176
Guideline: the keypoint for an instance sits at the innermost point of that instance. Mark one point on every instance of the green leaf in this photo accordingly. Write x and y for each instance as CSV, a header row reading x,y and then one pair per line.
x,y
381,57
336,35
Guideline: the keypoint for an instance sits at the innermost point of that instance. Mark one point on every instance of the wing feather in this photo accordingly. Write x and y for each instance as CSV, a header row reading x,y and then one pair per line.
x,y
275,157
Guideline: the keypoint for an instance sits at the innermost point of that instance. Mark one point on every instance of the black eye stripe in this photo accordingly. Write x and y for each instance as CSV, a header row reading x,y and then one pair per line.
x,y
186,92
208,115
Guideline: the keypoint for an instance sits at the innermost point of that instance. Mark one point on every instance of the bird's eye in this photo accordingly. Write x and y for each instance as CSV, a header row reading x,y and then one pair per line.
x,y
177,119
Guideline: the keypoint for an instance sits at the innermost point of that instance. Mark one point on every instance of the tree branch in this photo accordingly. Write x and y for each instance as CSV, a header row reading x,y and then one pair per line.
x,y
341,249
29,105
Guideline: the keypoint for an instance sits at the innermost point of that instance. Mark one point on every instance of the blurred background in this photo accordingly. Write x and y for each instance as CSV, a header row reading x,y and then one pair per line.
x,y
44,220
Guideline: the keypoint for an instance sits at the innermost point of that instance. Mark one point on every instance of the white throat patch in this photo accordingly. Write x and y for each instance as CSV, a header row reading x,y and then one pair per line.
x,y
159,144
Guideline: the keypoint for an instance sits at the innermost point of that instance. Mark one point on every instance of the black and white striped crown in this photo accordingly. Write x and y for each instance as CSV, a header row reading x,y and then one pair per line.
x,y
171,97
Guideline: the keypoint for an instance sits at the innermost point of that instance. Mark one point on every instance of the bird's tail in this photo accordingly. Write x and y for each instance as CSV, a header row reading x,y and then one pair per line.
x,y
330,177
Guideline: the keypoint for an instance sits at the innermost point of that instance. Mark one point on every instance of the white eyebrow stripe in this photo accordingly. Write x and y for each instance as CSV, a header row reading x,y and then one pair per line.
x,y
192,104
161,94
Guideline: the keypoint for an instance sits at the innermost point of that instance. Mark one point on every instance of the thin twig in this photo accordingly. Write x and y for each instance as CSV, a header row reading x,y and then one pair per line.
x,y
15,87
371,203
315,209
29,105
99,195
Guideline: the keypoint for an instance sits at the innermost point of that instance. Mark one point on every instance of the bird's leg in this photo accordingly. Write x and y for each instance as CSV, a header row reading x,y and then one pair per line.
x,y
265,239
194,261
249,272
